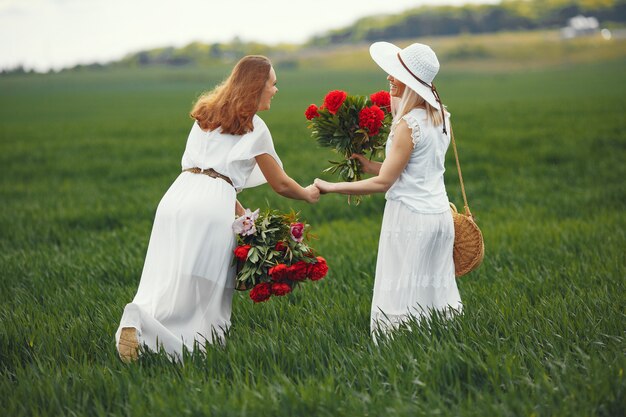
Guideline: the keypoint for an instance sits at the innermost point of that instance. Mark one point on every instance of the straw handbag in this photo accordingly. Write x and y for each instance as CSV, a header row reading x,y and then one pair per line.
x,y
469,248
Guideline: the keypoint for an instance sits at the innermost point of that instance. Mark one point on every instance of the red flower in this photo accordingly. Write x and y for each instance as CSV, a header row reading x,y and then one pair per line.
x,y
261,292
382,99
241,252
318,270
296,230
279,272
280,246
280,288
311,112
334,100
371,118
298,271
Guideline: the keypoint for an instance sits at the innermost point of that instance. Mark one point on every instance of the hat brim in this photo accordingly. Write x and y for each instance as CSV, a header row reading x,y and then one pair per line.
x,y
385,54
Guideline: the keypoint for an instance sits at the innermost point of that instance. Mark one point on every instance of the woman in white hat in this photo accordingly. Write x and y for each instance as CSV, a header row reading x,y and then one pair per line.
x,y
415,268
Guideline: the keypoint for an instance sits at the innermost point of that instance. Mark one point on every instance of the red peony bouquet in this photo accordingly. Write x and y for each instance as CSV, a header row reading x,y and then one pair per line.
x,y
272,255
351,124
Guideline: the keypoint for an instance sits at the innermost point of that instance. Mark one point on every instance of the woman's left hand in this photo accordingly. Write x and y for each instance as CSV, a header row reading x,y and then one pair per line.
x,y
324,186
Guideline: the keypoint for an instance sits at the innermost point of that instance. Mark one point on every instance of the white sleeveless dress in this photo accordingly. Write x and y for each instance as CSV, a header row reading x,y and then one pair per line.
x,y
186,287
415,267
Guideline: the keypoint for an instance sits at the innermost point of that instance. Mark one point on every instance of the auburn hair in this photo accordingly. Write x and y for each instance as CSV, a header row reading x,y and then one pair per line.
x,y
233,103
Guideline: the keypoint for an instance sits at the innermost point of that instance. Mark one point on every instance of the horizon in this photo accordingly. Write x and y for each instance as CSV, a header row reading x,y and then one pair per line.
x,y
50,35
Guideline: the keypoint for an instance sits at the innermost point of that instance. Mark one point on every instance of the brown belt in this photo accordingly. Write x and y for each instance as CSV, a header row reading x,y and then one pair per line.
x,y
210,172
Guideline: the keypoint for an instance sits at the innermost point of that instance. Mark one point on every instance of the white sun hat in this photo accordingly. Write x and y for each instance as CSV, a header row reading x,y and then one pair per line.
x,y
415,66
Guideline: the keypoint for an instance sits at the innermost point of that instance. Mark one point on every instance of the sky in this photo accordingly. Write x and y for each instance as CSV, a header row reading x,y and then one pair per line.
x,y
55,34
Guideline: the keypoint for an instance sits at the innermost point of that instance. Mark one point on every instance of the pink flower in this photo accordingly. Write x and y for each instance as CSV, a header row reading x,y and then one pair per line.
x,y
244,225
296,231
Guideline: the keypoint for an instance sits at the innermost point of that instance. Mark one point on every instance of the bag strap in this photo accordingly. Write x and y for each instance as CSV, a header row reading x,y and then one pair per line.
x,y
458,167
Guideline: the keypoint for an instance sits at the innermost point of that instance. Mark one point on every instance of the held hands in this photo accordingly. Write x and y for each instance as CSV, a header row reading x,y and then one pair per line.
x,y
369,167
323,186
313,194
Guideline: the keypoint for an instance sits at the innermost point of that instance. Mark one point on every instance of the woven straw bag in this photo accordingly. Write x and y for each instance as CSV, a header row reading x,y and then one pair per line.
x,y
469,247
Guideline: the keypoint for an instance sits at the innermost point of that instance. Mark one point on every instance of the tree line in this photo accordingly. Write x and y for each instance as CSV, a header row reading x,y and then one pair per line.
x,y
508,15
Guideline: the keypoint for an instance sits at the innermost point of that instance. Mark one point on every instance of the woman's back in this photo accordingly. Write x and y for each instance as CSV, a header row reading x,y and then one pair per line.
x,y
230,155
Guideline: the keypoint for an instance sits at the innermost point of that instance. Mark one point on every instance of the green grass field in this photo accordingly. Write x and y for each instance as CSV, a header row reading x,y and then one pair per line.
x,y
85,159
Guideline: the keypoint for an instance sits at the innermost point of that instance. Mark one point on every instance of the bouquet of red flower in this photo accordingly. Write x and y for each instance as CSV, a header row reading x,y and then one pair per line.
x,y
351,124
272,255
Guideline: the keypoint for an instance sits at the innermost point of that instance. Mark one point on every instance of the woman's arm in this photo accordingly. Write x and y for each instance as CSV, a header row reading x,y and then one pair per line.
x,y
239,210
390,169
284,185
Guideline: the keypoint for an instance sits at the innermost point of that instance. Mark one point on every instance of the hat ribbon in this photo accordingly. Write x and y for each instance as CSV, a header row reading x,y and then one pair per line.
x,y
432,88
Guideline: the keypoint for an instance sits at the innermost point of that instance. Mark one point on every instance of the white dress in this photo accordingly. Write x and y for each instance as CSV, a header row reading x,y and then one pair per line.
x,y
415,267
186,287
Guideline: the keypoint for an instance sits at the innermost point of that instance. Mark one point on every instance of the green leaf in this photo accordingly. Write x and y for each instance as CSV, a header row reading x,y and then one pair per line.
x,y
253,257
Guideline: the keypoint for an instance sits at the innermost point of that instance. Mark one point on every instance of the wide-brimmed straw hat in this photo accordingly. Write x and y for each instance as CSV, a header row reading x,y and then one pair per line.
x,y
415,66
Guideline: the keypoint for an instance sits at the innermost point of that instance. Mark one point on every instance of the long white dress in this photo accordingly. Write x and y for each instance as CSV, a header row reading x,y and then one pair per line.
x,y
415,267
186,287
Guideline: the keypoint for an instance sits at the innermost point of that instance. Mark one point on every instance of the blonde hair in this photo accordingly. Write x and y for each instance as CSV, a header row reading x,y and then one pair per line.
x,y
410,100
232,104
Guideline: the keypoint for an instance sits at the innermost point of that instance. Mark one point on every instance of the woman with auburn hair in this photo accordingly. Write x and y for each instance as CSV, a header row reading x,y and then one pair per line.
x,y
186,288
415,266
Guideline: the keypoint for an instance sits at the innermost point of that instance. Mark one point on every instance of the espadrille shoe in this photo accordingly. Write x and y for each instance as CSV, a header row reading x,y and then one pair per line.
x,y
128,347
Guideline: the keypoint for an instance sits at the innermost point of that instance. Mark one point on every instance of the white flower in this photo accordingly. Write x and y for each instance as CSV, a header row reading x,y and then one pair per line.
x,y
244,225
